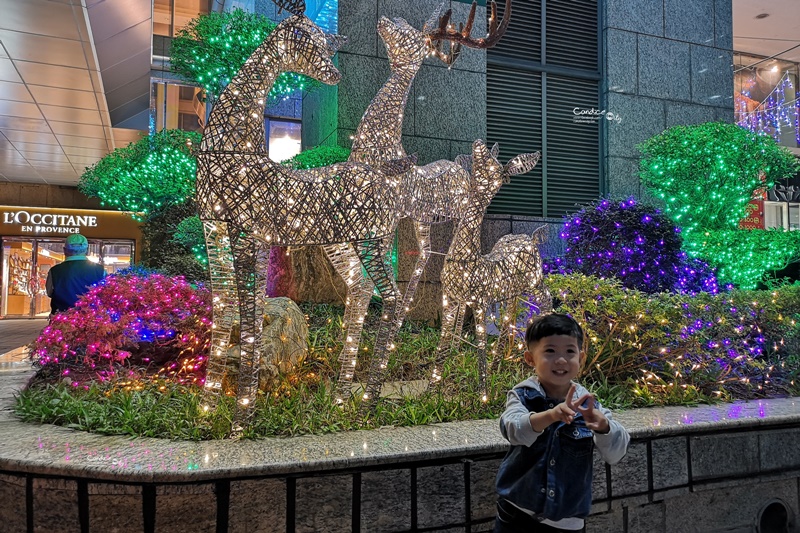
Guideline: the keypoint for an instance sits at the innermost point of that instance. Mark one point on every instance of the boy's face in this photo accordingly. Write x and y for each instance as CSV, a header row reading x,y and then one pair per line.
x,y
557,360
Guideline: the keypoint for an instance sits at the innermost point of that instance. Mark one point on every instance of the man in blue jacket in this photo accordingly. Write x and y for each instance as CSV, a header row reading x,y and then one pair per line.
x,y
71,279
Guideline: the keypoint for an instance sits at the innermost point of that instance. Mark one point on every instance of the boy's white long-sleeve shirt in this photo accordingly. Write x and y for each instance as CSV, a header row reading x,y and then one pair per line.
x,y
515,425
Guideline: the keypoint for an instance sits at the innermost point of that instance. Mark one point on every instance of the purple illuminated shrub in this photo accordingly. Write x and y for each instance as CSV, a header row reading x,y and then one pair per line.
x,y
137,319
634,243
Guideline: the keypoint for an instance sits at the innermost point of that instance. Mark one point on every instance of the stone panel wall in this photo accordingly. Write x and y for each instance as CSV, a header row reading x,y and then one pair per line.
x,y
666,63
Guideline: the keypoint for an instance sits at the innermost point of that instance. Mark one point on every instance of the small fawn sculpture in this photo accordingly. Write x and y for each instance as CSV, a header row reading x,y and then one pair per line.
x,y
470,279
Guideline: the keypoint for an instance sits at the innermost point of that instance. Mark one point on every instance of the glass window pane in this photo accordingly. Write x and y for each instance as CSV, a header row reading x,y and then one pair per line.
x,y
49,254
773,215
19,284
162,17
284,139
116,256
794,216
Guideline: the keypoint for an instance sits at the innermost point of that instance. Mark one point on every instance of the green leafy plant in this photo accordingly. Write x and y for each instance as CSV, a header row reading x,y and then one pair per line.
x,y
707,173
211,49
189,234
744,255
146,176
319,156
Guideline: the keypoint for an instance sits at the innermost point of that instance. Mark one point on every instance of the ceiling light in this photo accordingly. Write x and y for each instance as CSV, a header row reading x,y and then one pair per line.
x,y
762,15
774,68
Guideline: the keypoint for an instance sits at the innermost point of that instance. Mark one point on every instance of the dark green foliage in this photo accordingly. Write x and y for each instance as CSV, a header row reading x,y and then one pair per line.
x,y
146,176
319,156
211,49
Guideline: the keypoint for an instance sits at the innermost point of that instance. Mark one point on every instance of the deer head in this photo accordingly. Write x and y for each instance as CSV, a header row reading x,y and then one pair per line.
x,y
445,32
405,45
489,174
304,47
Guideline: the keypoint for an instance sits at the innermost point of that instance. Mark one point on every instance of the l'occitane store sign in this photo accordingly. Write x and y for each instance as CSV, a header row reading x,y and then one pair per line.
x,y
47,222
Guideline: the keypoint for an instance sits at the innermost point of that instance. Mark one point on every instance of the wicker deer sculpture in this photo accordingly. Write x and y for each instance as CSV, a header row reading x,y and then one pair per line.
x,y
430,194
469,279
249,203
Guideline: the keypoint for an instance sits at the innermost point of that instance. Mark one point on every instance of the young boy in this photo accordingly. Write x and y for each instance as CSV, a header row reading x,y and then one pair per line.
x,y
545,481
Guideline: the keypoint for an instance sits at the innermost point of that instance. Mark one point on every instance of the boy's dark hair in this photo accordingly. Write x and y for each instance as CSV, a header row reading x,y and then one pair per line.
x,y
553,324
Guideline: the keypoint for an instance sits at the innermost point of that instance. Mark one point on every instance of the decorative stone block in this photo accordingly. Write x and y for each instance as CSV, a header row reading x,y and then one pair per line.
x,y
257,506
386,500
724,114
670,463
715,510
629,476
440,495
640,16
690,22
427,303
646,518
679,114
778,449
663,69
324,503
483,495
13,513
458,148
599,482
438,114
320,116
605,522
723,24
623,177
55,505
427,149
126,502
621,61
358,21
173,505
717,456
362,77
712,76
642,118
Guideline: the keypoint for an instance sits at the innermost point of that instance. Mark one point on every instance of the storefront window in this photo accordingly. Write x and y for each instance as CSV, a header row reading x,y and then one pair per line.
x,y
284,139
765,94
169,16
178,107
26,263
784,215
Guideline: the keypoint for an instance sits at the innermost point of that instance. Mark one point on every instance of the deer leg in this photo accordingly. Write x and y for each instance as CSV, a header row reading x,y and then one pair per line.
x,y
452,315
359,292
372,257
250,259
225,308
424,247
480,341
508,328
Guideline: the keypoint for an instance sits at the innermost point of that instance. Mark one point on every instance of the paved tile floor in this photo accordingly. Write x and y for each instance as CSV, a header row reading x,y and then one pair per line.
x,y
14,336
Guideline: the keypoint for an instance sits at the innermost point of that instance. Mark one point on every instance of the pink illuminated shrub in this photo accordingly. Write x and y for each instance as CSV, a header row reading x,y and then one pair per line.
x,y
157,323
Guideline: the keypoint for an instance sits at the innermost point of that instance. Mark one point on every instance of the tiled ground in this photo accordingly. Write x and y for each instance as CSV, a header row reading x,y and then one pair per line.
x,y
14,336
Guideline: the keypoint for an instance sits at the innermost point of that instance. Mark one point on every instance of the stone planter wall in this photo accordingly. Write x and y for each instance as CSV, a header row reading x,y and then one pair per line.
x,y
696,469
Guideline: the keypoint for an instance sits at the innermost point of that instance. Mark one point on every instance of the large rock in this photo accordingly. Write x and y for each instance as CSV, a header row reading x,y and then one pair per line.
x,y
284,342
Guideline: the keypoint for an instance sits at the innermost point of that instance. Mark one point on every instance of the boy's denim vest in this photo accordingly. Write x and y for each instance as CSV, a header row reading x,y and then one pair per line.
x,y
552,477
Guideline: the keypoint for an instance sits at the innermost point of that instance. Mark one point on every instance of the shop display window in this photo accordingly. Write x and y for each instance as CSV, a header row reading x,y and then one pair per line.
x,y
26,263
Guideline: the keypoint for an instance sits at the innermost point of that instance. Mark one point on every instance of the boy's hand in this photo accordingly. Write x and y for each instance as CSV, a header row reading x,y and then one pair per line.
x,y
562,413
594,418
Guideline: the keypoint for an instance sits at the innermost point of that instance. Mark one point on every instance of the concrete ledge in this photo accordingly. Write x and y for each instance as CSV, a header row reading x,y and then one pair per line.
x,y
432,478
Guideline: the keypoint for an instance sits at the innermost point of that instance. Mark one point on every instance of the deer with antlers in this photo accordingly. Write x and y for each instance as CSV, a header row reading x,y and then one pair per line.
x,y
249,203
430,194
471,280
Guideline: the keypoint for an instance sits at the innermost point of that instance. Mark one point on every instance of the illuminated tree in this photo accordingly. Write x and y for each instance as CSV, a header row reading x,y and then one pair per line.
x,y
633,242
210,50
146,176
707,173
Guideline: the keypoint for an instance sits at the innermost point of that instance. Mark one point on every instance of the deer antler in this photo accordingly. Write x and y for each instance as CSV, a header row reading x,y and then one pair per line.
x,y
446,32
295,7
